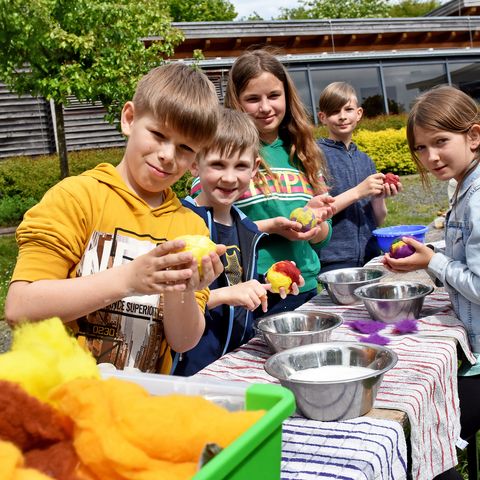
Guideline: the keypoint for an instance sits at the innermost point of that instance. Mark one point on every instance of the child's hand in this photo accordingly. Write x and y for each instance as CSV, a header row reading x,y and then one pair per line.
x,y
323,206
160,270
212,267
418,260
249,295
286,228
294,288
371,186
391,189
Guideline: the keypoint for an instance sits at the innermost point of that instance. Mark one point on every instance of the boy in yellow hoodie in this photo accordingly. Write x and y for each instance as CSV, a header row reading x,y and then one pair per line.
x,y
99,250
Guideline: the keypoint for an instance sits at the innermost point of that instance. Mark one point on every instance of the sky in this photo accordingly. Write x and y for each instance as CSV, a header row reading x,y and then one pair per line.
x,y
265,8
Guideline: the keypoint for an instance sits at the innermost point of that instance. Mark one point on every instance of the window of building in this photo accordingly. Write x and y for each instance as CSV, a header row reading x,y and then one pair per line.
x,y
404,82
300,80
365,80
466,76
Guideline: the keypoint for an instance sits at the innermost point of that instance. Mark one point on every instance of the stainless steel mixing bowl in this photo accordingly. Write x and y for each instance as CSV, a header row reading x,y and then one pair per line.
x,y
340,284
293,329
390,302
333,400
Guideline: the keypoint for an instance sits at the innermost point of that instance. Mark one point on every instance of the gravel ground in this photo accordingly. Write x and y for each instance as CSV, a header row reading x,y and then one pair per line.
x,y
5,337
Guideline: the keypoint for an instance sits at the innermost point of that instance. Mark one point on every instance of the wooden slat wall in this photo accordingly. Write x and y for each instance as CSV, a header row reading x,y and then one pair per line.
x,y
85,127
25,125
219,79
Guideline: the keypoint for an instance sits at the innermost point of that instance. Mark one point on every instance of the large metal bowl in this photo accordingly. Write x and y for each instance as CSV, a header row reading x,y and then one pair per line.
x,y
330,399
390,302
286,330
340,284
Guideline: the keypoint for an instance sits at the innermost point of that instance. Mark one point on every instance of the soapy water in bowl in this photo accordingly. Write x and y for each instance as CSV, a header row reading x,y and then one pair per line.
x,y
330,373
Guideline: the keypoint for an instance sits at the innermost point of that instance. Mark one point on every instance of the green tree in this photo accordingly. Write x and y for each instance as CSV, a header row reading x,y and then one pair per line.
x,y
201,10
89,49
254,16
311,9
413,8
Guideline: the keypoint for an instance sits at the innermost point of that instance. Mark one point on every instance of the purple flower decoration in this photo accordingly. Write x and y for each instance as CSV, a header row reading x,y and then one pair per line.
x,y
405,326
366,326
375,338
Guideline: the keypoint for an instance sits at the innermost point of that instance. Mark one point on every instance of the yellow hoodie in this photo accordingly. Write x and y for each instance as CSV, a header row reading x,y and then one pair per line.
x,y
91,222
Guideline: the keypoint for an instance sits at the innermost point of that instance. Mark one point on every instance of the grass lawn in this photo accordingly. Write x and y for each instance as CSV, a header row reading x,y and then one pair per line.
x,y
415,205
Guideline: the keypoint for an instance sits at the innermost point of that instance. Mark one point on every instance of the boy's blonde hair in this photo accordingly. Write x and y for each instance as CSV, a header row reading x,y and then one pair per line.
x,y
236,132
334,96
442,108
182,98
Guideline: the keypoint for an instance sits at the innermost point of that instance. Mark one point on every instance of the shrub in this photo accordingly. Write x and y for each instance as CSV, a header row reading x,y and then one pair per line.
x,y
31,177
13,208
381,122
388,149
182,186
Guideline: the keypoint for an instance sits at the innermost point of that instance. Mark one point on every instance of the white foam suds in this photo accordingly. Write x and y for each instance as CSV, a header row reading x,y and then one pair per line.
x,y
331,372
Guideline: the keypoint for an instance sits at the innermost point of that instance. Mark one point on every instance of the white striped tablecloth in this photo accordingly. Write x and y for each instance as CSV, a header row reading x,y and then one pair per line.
x,y
422,384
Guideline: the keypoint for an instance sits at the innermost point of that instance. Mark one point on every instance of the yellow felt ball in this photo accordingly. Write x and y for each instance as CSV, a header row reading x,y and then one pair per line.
x,y
306,216
278,280
44,355
199,245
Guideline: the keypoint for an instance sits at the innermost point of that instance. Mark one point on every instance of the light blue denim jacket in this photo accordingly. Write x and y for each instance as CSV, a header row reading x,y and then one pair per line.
x,y
459,266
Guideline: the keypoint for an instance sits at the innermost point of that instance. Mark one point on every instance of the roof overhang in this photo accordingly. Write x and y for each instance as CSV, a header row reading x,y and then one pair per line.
x,y
229,39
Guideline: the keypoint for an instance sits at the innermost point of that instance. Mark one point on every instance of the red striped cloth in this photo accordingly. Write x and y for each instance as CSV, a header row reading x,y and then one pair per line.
x,y
422,384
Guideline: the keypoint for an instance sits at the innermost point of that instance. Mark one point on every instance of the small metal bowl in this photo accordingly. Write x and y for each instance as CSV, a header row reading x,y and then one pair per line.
x,y
340,284
329,399
286,330
390,302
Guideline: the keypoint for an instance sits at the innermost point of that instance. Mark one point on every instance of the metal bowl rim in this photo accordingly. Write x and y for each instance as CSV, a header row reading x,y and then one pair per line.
x,y
321,277
338,321
375,373
359,294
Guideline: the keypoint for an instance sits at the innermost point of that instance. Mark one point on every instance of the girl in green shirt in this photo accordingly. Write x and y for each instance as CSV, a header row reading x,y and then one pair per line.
x,y
292,175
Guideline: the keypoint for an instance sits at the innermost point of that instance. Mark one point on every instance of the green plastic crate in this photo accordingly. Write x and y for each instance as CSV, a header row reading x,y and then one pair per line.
x,y
257,452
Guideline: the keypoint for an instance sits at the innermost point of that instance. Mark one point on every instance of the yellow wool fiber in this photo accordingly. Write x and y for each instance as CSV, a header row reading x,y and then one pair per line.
x,y
12,464
44,355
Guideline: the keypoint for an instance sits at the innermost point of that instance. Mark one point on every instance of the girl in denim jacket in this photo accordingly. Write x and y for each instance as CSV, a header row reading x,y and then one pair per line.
x,y
443,133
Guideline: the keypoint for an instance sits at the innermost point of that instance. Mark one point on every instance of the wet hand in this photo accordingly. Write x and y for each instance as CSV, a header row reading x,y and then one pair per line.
x,y
158,271
323,206
418,260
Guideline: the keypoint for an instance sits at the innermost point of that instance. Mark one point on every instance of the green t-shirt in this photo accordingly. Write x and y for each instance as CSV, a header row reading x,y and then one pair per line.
x,y
291,190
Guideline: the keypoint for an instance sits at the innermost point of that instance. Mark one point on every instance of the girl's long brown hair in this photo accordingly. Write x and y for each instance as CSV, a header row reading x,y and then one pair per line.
x,y
296,129
447,109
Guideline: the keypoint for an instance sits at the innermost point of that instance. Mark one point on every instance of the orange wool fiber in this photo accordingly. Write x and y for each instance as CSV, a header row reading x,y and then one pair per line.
x,y
41,433
123,432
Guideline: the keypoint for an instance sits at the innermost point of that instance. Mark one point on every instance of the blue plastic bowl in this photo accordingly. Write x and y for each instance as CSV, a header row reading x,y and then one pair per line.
x,y
385,236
